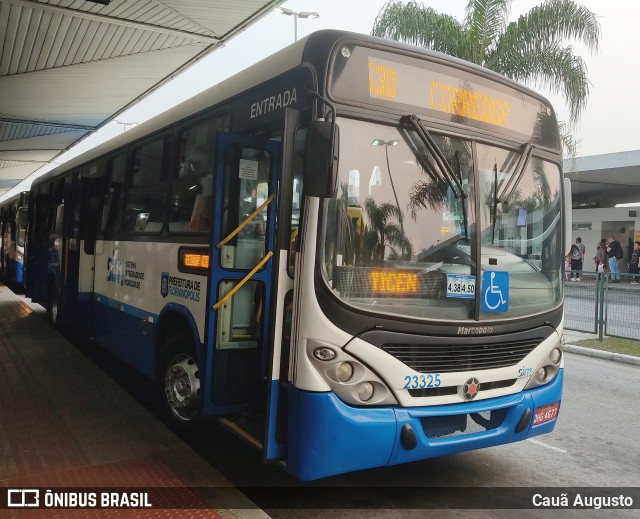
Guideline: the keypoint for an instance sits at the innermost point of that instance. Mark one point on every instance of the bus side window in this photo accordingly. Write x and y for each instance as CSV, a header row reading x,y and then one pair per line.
x,y
111,212
246,188
59,223
191,207
42,205
22,226
146,195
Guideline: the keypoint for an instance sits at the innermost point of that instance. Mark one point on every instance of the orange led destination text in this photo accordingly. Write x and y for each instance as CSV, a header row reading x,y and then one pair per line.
x,y
383,81
196,260
468,103
394,282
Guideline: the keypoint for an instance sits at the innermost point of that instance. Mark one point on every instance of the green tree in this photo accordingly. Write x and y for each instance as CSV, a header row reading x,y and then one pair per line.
x,y
532,50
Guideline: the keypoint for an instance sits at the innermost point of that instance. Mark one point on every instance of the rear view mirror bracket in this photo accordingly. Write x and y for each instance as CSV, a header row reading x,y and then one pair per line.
x,y
321,155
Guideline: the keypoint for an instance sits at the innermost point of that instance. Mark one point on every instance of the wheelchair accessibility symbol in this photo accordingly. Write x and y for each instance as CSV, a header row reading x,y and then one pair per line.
x,y
495,291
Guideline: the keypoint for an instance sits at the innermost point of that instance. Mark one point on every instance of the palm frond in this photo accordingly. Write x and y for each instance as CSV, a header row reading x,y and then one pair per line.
x,y
485,21
425,195
548,65
557,21
419,25
570,145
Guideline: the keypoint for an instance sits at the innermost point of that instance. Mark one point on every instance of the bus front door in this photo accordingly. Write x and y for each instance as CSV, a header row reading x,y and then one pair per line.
x,y
68,220
240,337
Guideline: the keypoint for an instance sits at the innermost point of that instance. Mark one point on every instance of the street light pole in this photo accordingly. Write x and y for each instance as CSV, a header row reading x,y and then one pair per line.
x,y
296,15
386,144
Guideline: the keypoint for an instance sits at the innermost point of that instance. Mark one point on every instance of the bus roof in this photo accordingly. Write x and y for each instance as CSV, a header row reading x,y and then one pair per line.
x,y
272,66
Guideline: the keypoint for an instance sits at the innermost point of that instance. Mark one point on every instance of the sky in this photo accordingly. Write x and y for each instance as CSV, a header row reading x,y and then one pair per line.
x,y
607,125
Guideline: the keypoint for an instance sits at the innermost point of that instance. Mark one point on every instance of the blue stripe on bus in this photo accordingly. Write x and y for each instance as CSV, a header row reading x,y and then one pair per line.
x,y
123,307
328,437
124,330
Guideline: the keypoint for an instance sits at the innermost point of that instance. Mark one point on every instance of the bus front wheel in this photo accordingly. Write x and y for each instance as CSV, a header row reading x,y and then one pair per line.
x,y
52,305
180,380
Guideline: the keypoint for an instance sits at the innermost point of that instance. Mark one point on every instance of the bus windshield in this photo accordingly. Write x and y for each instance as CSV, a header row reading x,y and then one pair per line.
x,y
401,234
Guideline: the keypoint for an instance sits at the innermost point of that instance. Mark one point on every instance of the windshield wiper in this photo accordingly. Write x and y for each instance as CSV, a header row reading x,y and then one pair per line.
x,y
494,209
518,173
444,171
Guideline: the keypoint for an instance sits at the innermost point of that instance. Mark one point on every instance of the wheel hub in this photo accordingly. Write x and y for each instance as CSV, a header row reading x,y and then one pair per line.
x,y
182,387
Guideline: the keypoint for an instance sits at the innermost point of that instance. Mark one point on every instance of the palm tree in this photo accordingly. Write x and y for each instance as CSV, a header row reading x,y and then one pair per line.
x,y
384,232
531,50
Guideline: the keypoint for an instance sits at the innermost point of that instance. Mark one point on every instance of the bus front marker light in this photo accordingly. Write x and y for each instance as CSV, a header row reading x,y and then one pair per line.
x,y
344,372
365,391
324,353
555,356
541,374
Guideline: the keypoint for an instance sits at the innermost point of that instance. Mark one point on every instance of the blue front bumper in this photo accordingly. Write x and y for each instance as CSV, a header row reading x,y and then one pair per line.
x,y
328,437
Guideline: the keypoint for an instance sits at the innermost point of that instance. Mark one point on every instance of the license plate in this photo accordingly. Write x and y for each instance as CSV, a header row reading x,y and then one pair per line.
x,y
461,286
546,413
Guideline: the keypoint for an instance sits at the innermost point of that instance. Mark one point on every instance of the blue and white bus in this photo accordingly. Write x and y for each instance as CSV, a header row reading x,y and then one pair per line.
x,y
349,254
13,235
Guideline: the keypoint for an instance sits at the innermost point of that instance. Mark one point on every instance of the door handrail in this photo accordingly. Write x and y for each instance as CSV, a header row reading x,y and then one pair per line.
x,y
255,269
246,221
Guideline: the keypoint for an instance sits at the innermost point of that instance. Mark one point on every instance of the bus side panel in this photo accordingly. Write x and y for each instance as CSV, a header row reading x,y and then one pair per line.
x,y
86,296
134,281
127,333
38,267
327,437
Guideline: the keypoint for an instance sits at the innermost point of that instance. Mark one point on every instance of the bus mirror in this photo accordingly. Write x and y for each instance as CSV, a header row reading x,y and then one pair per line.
x,y
321,159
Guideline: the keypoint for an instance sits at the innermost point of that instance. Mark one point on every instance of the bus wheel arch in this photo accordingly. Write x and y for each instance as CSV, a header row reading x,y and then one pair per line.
x,y
178,377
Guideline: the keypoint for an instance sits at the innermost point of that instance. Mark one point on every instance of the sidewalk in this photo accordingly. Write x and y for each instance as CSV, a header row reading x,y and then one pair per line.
x,y
65,423
571,337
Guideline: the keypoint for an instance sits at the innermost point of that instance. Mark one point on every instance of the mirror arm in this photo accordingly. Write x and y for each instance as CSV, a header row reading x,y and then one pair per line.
x,y
332,110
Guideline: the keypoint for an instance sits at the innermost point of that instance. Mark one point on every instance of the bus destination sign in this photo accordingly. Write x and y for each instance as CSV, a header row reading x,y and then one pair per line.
x,y
461,95
414,86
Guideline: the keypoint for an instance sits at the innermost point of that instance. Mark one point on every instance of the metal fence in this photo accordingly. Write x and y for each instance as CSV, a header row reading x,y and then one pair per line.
x,y
598,304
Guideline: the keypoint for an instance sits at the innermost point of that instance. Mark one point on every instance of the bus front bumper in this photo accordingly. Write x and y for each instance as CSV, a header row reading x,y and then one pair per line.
x,y
328,437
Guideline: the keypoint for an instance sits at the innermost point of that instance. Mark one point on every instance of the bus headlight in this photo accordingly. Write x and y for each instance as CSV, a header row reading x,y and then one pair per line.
x,y
546,370
365,391
324,353
344,372
349,378
556,355
541,375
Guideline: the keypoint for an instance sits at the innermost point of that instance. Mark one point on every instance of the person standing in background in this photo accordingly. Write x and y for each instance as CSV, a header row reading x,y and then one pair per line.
x,y
601,259
576,262
634,268
615,253
581,248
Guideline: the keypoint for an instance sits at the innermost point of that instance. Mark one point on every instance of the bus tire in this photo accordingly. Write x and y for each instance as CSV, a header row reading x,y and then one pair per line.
x,y
53,305
179,380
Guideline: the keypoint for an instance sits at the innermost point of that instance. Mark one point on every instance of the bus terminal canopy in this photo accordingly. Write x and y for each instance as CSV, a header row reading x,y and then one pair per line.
x,y
68,68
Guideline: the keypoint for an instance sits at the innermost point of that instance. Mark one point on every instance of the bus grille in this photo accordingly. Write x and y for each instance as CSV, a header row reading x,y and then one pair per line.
x,y
452,390
429,358
462,424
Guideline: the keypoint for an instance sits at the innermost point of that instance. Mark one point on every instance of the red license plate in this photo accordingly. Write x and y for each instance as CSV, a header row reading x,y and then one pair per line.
x,y
546,413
